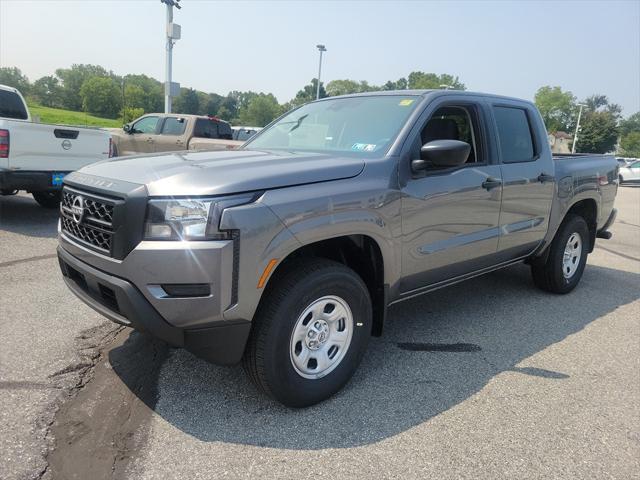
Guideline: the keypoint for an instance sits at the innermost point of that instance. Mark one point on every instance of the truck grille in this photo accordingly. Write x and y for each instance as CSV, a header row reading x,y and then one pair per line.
x,y
88,219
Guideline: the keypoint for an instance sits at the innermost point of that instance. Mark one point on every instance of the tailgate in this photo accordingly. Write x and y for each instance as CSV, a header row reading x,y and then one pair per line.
x,y
36,146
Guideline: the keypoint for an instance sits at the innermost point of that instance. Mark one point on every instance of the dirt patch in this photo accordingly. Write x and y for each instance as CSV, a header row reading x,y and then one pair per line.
x,y
102,427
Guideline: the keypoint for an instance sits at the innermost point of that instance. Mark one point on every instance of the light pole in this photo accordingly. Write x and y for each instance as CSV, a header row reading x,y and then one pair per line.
x,y
321,48
575,136
172,33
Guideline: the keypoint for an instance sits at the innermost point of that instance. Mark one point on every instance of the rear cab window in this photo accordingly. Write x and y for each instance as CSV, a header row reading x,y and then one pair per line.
x,y
12,106
205,129
515,136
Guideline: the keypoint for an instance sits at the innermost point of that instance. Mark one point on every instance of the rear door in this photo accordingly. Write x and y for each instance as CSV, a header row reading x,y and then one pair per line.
x,y
528,181
450,217
172,134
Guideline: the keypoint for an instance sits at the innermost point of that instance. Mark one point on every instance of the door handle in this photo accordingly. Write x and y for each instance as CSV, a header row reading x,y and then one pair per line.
x,y
491,182
543,177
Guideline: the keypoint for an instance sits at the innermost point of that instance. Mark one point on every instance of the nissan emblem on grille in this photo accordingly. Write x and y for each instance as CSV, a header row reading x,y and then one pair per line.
x,y
88,218
77,209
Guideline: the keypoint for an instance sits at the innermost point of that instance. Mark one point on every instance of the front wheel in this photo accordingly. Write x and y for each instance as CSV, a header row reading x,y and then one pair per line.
x,y
567,257
47,199
309,333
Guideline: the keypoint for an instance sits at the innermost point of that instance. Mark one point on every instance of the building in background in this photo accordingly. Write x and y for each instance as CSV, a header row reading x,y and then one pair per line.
x,y
560,142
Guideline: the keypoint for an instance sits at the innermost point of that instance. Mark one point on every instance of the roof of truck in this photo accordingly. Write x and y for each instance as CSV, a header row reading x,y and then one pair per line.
x,y
424,92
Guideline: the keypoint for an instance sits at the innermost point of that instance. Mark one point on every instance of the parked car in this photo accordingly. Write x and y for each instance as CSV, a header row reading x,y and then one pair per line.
x,y
35,157
244,133
286,254
159,132
630,173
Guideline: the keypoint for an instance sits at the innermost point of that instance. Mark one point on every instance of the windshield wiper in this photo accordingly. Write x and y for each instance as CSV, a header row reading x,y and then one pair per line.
x,y
298,122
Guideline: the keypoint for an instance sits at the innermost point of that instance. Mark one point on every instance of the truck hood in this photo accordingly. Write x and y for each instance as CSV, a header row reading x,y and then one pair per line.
x,y
225,172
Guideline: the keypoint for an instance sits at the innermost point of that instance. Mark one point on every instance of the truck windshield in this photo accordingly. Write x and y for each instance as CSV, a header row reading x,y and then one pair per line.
x,y
361,125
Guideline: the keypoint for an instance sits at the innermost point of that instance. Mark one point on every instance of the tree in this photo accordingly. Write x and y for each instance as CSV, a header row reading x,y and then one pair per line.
x,y
187,102
101,96
13,77
599,125
400,84
558,108
47,91
308,93
260,111
630,144
72,80
422,80
153,92
134,97
631,124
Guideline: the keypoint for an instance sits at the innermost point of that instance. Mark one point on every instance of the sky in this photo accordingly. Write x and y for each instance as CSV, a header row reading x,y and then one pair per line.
x,y
504,47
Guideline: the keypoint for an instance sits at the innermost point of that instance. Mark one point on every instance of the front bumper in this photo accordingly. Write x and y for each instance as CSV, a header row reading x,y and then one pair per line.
x,y
29,180
122,302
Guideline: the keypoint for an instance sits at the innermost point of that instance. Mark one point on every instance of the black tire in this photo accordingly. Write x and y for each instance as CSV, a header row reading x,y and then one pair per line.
x,y
47,199
114,150
620,180
549,276
267,358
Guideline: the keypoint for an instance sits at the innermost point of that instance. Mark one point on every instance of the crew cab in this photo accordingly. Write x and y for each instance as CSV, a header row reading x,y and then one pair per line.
x,y
285,254
159,132
35,157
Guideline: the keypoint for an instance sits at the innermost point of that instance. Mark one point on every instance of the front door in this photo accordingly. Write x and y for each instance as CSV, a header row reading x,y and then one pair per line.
x,y
450,217
142,137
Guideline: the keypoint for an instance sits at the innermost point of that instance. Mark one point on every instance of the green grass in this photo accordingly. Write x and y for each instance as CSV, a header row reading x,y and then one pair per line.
x,y
69,117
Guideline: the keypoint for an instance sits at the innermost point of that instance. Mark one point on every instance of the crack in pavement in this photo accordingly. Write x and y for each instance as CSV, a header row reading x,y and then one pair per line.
x,y
98,431
28,259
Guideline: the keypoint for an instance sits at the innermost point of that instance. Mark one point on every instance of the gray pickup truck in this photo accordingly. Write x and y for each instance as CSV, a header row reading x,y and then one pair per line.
x,y
286,254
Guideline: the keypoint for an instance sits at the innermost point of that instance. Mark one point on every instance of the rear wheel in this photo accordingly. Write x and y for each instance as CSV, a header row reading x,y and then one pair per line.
x,y
310,332
47,199
567,257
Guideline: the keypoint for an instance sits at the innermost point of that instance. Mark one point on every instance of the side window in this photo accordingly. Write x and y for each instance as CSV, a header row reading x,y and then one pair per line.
x,y
173,126
454,123
146,125
635,165
243,134
11,106
206,129
514,132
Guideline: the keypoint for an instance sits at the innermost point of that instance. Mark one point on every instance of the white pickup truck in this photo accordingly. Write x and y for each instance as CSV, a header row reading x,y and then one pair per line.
x,y
35,157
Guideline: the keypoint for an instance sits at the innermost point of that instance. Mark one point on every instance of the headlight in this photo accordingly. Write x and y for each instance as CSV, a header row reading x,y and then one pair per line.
x,y
189,218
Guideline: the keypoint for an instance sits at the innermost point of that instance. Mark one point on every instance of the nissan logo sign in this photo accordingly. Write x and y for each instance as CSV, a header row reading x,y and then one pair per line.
x,y
66,144
77,209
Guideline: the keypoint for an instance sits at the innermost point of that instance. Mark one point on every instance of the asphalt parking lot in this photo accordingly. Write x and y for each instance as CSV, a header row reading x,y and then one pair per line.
x,y
487,379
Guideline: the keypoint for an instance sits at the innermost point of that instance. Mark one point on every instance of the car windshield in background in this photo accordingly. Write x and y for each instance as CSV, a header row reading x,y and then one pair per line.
x,y
364,125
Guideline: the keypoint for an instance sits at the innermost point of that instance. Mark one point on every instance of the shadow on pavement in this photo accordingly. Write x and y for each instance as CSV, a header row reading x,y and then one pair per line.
x,y
22,215
396,389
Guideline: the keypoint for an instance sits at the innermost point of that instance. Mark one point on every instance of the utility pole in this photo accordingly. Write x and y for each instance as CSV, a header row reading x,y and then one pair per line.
x,y
173,32
575,136
321,48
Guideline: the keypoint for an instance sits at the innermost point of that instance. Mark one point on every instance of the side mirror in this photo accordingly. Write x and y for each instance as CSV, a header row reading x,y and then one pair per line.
x,y
442,153
127,128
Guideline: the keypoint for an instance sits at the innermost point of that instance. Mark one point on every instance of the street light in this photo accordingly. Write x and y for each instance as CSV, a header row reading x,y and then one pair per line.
x,y
171,89
321,48
575,136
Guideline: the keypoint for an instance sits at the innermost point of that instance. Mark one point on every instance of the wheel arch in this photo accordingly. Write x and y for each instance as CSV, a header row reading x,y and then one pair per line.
x,y
360,252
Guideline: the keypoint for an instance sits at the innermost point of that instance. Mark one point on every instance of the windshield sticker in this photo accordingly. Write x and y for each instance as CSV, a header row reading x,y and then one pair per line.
x,y
363,147
406,102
